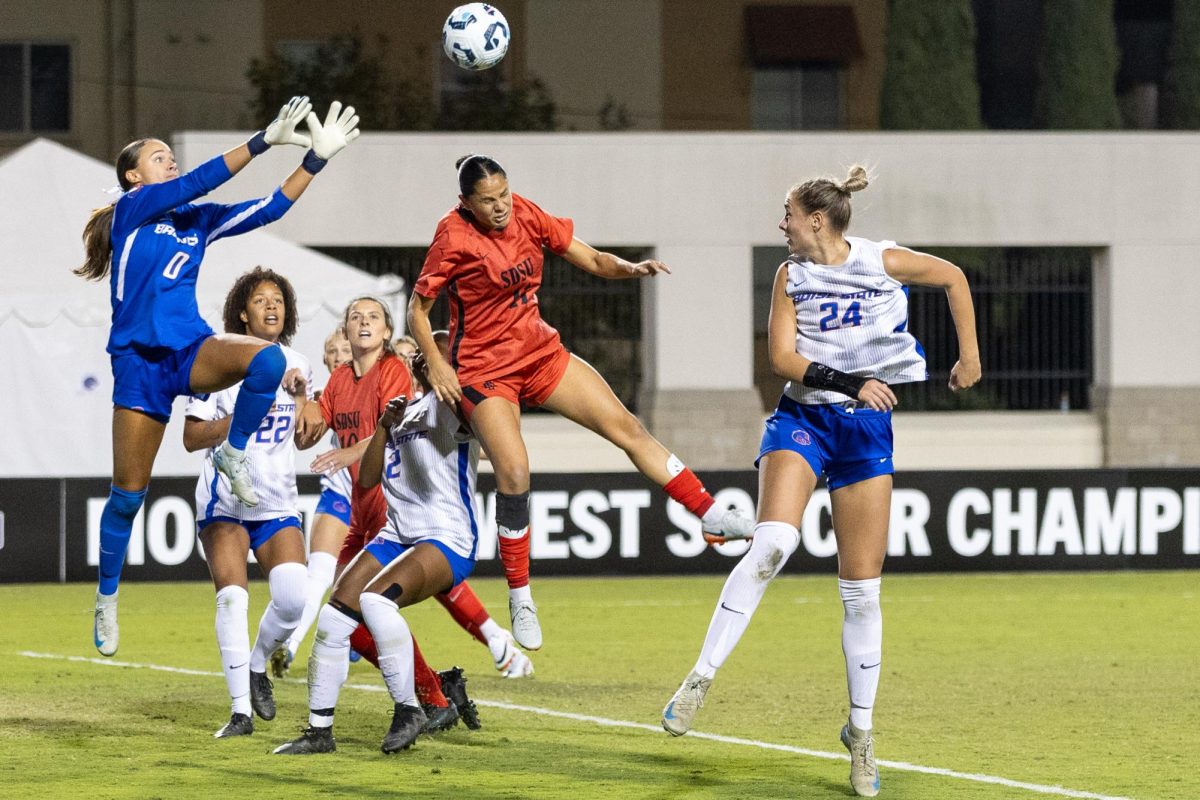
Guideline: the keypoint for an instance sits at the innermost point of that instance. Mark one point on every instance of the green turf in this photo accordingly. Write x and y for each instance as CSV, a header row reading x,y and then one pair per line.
x,y
1087,681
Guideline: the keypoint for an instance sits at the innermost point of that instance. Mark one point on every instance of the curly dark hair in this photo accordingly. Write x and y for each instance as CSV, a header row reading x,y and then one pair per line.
x,y
239,296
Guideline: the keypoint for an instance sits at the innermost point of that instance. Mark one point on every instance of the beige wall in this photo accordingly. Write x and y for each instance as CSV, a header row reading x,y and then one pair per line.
x,y
586,51
707,74
144,67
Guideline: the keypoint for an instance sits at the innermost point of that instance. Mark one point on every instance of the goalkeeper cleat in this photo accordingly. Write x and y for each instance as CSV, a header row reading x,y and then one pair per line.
x,y
454,686
509,661
105,632
281,661
864,774
525,626
232,464
311,740
407,723
262,695
734,526
439,718
238,725
679,714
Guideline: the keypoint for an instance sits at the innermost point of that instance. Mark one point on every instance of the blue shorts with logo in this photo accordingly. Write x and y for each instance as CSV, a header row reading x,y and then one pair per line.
x,y
335,505
260,530
151,380
388,550
842,441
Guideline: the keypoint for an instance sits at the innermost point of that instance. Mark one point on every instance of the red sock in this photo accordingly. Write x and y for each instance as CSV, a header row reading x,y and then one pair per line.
x,y
686,489
363,644
464,605
429,685
514,552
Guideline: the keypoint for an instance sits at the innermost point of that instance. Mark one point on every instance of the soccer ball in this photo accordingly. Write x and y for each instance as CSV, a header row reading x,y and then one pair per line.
x,y
475,36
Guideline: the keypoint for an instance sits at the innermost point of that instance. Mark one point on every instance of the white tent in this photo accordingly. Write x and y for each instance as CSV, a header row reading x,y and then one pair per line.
x,y
56,401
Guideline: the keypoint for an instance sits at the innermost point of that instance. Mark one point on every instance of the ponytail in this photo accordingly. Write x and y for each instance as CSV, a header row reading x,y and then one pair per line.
x,y
97,244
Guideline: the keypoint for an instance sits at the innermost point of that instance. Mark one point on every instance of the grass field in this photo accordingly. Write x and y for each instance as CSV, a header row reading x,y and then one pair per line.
x,y
1084,681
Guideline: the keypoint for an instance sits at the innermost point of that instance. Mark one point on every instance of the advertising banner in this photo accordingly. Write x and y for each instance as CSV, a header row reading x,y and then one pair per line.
x,y
620,524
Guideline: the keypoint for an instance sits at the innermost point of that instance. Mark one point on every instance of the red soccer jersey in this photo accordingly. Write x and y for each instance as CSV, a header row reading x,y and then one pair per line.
x,y
492,280
352,406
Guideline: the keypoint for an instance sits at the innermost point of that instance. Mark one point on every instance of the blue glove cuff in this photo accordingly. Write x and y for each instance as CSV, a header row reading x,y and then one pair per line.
x,y
258,144
313,163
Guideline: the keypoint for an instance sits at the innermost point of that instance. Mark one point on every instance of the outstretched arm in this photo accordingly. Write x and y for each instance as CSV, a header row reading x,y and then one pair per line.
x,y
442,377
922,269
606,265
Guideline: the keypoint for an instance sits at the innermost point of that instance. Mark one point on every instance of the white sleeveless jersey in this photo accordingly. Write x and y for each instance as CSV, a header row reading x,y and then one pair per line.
x,y
854,318
429,479
341,481
270,450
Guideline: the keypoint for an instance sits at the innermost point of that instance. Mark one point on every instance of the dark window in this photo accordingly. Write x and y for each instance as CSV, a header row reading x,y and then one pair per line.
x,y
1033,310
35,88
807,97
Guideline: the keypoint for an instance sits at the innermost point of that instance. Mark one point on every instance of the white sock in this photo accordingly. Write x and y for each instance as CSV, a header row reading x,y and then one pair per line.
x,y
329,664
862,644
490,629
287,582
522,595
773,543
321,568
393,642
233,638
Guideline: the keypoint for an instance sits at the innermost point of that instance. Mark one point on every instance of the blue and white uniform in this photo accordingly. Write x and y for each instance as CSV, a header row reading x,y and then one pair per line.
x,y
854,318
272,459
430,464
159,238
335,490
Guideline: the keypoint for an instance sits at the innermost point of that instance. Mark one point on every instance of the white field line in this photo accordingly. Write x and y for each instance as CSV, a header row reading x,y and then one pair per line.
x,y
903,766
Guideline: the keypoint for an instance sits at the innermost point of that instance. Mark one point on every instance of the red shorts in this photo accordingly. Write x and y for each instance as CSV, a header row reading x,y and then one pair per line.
x,y
352,545
530,386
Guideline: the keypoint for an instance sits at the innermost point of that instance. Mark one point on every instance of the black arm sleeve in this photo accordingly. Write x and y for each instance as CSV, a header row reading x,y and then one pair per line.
x,y
819,376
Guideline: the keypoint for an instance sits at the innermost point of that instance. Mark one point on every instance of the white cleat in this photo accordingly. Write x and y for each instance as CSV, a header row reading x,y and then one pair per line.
x,y
679,714
510,661
864,774
525,627
232,465
105,632
734,526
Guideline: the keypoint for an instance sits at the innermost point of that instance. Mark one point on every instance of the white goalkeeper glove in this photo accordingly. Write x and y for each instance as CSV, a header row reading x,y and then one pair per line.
x,y
282,129
339,129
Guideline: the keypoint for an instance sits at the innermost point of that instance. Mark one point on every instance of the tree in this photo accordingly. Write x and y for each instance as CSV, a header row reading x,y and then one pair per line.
x,y
1181,87
929,80
1078,66
342,69
339,69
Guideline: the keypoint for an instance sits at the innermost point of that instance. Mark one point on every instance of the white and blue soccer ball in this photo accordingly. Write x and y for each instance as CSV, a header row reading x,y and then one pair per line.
x,y
476,36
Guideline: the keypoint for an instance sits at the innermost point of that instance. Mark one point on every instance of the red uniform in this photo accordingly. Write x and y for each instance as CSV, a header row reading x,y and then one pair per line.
x,y
351,406
491,279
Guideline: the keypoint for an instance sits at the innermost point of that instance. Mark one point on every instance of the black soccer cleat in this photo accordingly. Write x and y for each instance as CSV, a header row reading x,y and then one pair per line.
x,y
311,740
407,724
262,695
454,686
440,718
238,725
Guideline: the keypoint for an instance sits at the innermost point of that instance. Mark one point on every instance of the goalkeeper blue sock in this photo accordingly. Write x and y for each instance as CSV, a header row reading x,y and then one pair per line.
x,y
116,525
256,395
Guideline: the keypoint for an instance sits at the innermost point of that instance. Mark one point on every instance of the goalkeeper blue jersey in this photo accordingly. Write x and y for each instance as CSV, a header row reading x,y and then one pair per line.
x,y
158,238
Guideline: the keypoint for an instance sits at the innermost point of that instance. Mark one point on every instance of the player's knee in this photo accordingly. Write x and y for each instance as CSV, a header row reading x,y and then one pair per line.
x,y
373,604
232,598
512,478
861,600
265,370
122,504
626,431
288,584
774,543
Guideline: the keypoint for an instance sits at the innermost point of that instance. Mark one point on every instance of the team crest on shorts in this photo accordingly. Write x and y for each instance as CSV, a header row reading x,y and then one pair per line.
x,y
801,438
